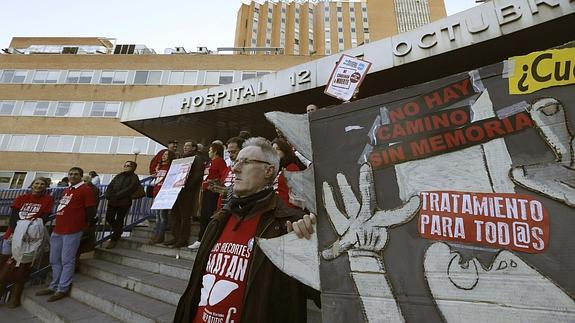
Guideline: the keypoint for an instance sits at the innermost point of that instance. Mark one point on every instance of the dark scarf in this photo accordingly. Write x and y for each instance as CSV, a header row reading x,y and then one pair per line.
x,y
241,206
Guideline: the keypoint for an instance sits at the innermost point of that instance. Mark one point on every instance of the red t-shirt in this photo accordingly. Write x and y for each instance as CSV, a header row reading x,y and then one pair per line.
x,y
156,161
225,277
160,177
228,180
215,169
280,184
71,212
31,207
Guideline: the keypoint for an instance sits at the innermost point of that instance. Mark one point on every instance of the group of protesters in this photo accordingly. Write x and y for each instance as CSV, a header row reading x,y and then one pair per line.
x,y
25,239
239,183
209,185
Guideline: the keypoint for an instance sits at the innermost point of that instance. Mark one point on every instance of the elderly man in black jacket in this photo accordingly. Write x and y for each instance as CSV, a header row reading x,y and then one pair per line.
x,y
232,280
119,196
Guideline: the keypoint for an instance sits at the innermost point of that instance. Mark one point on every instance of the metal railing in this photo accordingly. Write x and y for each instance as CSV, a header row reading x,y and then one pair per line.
x,y
139,212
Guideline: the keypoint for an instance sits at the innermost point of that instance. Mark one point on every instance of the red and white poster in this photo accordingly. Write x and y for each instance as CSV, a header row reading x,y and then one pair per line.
x,y
173,184
498,220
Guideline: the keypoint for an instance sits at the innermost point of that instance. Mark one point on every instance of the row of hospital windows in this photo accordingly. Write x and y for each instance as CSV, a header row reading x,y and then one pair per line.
x,y
60,108
326,19
310,10
126,77
78,144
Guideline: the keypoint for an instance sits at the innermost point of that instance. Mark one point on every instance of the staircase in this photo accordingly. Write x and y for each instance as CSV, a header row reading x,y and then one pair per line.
x,y
134,282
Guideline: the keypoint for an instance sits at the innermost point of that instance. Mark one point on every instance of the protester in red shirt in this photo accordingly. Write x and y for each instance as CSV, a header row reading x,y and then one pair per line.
x,y
234,145
161,215
232,280
76,206
289,162
33,205
212,178
172,146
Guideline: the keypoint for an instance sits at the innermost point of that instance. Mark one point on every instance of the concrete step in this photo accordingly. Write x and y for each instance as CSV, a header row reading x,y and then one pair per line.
x,y
172,267
120,303
141,244
64,310
157,286
147,232
19,314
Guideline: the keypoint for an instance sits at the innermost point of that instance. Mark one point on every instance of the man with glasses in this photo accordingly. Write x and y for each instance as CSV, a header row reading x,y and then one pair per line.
x,y
119,195
76,205
232,280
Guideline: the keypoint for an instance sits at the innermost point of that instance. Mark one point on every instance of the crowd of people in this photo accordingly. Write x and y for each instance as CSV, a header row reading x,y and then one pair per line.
x,y
238,190
209,185
26,237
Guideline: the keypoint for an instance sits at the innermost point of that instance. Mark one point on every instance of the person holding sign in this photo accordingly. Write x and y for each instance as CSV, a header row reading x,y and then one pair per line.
x,y
187,202
161,215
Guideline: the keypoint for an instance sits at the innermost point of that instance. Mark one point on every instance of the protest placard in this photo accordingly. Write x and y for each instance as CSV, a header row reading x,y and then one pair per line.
x,y
173,184
346,77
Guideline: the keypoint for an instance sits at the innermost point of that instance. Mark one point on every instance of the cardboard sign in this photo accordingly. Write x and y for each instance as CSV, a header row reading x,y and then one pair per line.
x,y
346,78
173,184
540,70
508,221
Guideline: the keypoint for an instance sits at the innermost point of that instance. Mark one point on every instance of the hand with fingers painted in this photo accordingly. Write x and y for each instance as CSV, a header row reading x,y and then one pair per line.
x,y
303,228
363,226
363,233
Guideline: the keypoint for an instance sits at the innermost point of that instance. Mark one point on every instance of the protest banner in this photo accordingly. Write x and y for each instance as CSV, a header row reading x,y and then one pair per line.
x,y
539,70
447,201
507,221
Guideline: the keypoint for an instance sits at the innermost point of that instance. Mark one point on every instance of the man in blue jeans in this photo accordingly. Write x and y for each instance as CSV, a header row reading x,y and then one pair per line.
x,y
77,205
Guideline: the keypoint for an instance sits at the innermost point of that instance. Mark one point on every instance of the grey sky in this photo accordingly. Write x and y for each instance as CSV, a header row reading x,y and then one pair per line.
x,y
159,24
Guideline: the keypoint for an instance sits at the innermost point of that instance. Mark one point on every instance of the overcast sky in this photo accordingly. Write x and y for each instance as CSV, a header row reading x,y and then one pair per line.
x,y
159,24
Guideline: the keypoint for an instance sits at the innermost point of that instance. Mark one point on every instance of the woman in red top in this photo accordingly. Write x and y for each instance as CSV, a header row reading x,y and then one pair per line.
x,y
289,162
33,205
161,215
212,176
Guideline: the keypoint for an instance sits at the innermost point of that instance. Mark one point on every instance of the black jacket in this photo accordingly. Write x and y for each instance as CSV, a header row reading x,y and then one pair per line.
x,y
119,191
270,295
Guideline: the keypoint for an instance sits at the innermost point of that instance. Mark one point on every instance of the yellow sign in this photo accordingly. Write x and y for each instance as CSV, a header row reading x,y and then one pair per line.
x,y
540,70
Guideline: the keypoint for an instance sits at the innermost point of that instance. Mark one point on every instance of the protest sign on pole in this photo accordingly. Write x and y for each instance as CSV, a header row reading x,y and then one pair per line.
x,y
346,77
173,184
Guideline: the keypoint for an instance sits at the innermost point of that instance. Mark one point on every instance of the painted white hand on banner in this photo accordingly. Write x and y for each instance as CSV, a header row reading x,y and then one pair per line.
x,y
362,226
362,231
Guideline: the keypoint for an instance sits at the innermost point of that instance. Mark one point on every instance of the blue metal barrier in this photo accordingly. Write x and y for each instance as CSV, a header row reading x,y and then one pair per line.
x,y
139,212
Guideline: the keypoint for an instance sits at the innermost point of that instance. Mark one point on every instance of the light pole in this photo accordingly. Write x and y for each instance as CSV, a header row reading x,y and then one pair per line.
x,y
136,153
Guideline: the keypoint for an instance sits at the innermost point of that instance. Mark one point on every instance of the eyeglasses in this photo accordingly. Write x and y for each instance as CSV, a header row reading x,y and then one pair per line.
x,y
246,161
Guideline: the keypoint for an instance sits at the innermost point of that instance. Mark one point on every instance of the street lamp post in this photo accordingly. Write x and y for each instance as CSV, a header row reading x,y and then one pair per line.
x,y
136,153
